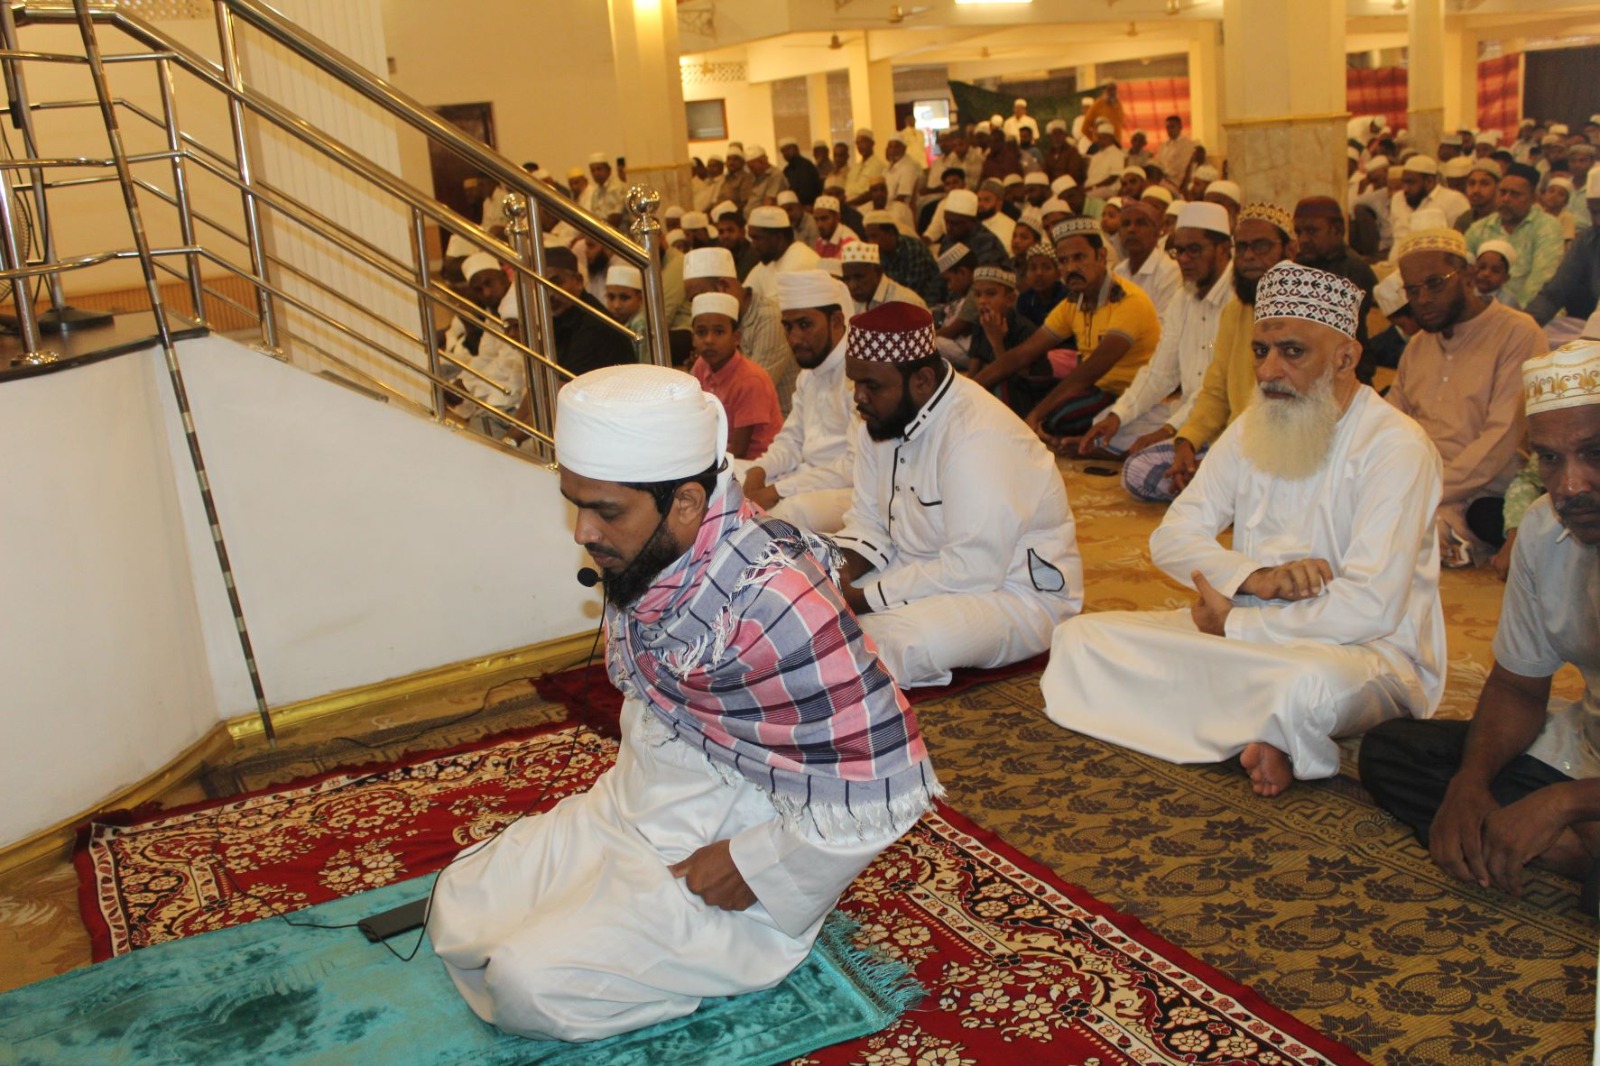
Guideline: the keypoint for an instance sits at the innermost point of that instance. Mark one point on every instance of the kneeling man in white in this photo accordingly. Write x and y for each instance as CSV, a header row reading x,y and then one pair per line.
x,y
1323,619
766,755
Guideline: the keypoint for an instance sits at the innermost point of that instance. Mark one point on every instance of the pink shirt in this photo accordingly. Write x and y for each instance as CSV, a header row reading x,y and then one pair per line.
x,y
749,397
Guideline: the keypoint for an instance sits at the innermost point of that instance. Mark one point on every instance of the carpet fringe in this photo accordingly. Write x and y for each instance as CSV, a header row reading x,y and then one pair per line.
x,y
887,980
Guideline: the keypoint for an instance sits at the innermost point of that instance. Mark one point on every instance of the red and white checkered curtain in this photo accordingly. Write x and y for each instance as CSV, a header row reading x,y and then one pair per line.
x,y
1146,105
1500,95
1377,91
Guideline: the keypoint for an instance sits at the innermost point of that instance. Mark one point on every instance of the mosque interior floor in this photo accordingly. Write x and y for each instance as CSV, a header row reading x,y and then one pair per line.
x,y
41,934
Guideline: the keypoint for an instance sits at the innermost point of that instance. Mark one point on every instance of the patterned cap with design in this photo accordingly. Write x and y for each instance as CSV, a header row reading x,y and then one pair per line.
x,y
1566,377
893,332
998,275
1434,239
1272,213
951,256
1080,226
1290,290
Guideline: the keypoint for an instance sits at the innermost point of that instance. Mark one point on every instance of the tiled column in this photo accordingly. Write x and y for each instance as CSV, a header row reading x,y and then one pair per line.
x,y
1283,114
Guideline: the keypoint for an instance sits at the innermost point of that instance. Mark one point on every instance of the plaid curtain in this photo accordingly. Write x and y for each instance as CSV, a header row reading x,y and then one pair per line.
x,y
1146,105
1377,91
1500,95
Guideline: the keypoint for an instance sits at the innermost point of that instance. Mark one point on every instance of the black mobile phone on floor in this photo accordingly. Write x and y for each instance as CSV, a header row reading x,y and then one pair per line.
x,y
1102,471
390,923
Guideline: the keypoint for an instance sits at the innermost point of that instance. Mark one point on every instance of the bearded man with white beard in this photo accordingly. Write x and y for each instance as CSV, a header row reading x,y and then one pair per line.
x,y
1323,619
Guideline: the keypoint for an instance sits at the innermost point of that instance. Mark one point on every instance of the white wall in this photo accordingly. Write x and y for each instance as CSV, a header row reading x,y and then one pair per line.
x,y
367,544
747,105
547,68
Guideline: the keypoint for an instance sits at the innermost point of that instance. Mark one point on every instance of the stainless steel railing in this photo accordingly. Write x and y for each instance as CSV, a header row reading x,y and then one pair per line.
x,y
298,312
299,315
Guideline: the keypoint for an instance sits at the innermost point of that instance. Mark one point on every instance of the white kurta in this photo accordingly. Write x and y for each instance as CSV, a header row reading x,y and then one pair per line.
x,y
1441,198
966,522
1294,675
1179,364
569,926
763,278
812,459
1159,277
1106,165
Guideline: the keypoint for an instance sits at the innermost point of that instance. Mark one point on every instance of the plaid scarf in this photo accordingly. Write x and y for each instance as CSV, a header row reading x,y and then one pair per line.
x,y
745,649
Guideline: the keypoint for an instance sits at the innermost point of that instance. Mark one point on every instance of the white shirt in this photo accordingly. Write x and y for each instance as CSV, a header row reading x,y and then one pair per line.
x,y
1159,277
1013,127
1551,617
1368,512
1173,157
761,338
1188,335
705,192
968,501
763,279
902,177
1105,165
1442,198
890,291
1001,225
815,448
860,174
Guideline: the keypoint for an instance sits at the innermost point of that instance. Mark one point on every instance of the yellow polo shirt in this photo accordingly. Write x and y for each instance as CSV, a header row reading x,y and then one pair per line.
x,y
1130,315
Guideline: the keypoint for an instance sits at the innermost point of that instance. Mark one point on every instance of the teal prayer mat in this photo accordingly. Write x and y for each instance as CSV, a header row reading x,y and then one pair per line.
x,y
271,992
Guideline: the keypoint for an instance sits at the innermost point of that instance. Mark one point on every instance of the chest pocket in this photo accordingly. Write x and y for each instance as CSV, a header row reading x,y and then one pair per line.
x,y
1045,576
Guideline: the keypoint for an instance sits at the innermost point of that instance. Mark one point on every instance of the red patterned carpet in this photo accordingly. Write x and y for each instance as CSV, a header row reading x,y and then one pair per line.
x,y
1020,967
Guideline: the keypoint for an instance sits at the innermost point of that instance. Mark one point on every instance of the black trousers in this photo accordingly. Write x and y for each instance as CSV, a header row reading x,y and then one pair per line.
x,y
1407,764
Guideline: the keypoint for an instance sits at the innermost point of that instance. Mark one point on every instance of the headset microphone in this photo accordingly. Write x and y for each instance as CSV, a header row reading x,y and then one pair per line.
x,y
588,577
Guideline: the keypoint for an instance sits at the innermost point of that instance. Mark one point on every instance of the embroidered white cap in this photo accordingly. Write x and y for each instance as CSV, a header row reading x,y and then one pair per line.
x,y
638,423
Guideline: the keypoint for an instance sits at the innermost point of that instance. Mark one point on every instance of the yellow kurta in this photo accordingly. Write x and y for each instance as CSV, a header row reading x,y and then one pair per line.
x,y
1230,380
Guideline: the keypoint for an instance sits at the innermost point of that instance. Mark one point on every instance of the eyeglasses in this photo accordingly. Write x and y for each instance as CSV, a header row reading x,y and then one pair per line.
x,y
1191,250
1434,285
1262,248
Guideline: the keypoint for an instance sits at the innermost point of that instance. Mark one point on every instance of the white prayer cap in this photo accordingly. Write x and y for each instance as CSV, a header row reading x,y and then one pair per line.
x,y
477,263
787,142
709,263
1559,129
624,276
1225,188
1206,216
508,306
879,218
1115,201
715,303
577,172
726,207
713,159
1055,124
1508,253
826,203
1290,290
819,143
1175,206
1592,184
832,267
677,236
1104,126
961,202
1433,238
1491,136
672,213
1133,172
1079,226
598,157
1422,164
638,423
696,220
1594,120
787,197
1157,192
1377,162
1591,328
1390,294
897,137
864,132
982,127
859,252
1019,101
736,146
1038,177
735,151
1054,206
1459,167
1206,172
997,119
1561,181
951,256
1011,179
755,151
1033,218
541,173
802,289
769,217
1566,377
1065,183
1488,166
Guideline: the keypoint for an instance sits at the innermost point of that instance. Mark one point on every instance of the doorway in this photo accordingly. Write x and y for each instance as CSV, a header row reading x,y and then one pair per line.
x,y
450,172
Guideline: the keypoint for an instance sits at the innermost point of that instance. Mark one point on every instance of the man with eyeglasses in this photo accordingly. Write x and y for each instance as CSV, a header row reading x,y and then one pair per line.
x,y
1157,474
1460,379
1523,224
1142,416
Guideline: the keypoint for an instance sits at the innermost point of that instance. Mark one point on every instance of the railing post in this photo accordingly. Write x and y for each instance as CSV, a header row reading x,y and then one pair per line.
x,y
241,148
17,91
180,187
14,254
642,203
419,251
533,310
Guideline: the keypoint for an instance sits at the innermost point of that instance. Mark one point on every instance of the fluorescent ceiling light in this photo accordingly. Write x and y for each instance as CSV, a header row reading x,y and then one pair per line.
x,y
987,3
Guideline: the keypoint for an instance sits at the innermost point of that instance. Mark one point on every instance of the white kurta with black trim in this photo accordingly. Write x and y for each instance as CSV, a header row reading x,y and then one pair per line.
x,y
966,523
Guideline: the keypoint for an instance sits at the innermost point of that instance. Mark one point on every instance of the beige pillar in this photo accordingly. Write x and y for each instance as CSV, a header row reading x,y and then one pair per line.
x,y
655,130
1460,79
1425,59
817,108
1205,91
871,93
1283,97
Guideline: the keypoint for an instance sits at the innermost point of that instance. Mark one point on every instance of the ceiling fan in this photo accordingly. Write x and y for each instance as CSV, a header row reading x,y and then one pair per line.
x,y
897,14
835,43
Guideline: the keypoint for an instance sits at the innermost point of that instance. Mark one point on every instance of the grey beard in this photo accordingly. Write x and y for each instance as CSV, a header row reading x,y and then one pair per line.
x,y
1290,438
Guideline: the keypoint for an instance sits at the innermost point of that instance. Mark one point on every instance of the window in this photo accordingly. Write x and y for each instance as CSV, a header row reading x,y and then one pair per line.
x,y
931,114
708,120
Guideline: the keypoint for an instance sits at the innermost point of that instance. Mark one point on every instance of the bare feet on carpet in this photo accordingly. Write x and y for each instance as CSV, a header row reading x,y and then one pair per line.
x,y
1270,770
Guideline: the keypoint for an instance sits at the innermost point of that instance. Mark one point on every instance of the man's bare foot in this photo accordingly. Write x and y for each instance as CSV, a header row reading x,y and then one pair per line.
x,y
1270,770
